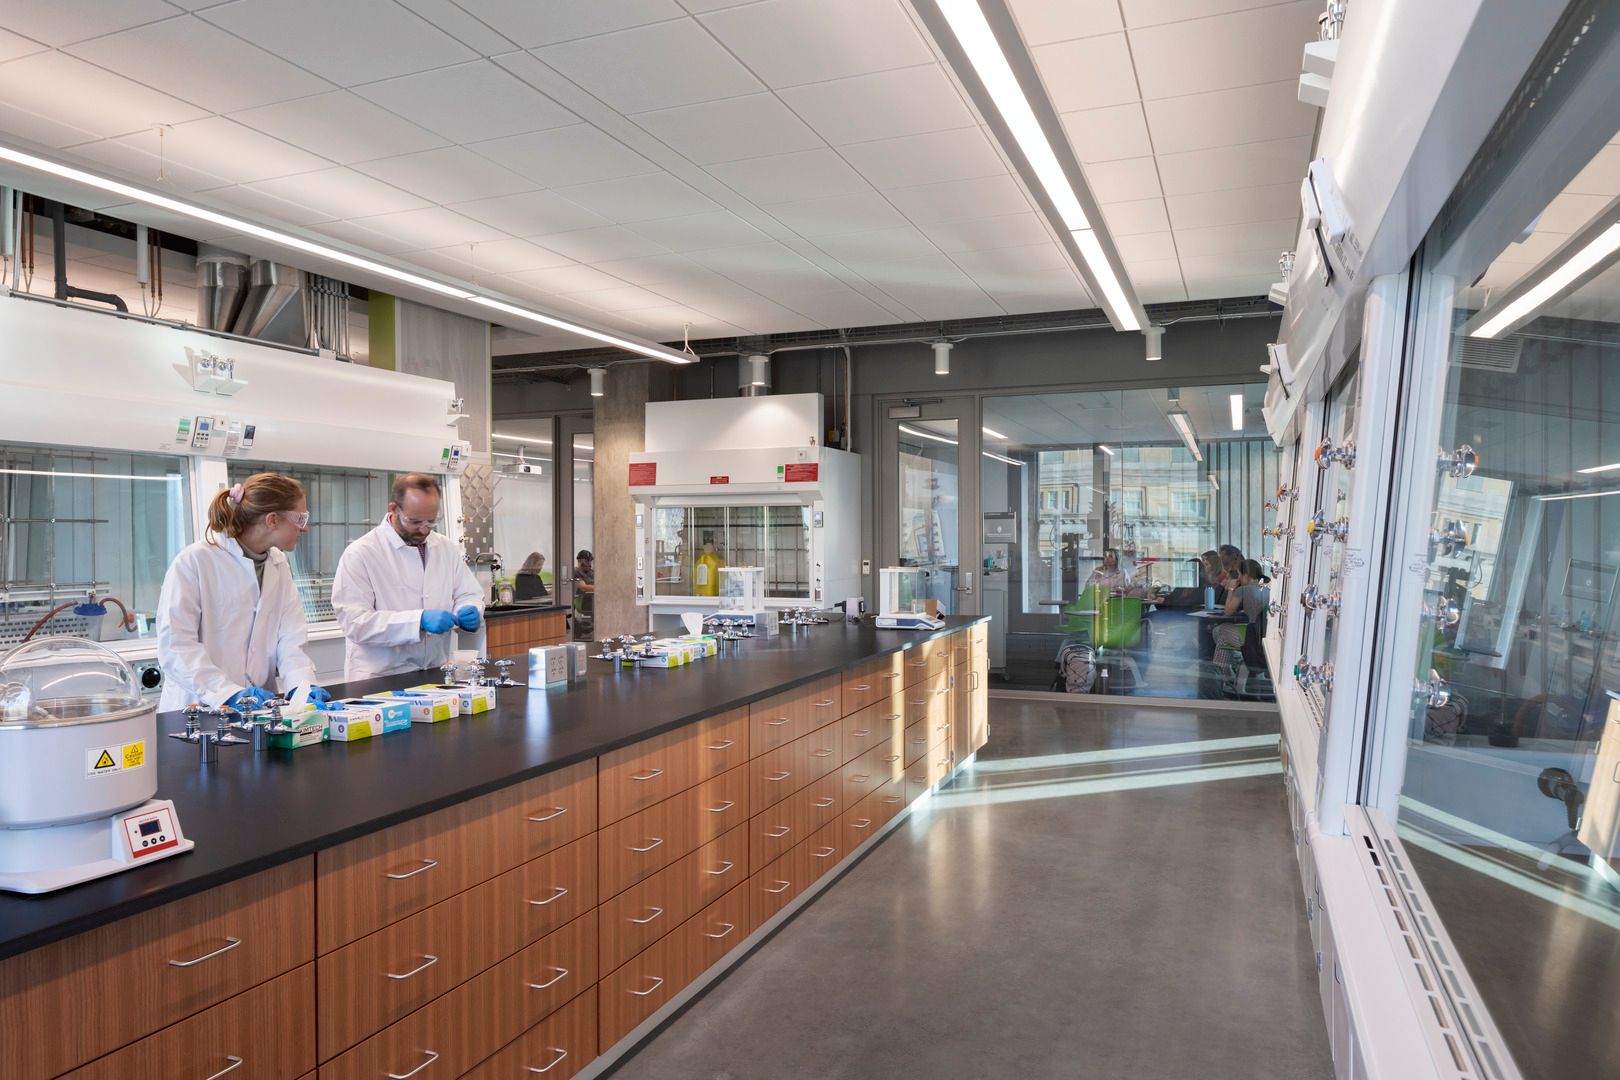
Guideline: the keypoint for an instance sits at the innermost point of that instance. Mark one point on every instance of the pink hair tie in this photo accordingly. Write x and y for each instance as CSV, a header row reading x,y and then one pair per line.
x,y
236,494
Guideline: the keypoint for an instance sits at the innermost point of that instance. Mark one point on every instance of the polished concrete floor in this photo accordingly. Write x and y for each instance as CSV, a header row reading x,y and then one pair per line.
x,y
1110,892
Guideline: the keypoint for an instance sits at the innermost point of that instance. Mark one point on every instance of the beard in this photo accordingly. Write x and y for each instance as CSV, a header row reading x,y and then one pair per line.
x,y
410,538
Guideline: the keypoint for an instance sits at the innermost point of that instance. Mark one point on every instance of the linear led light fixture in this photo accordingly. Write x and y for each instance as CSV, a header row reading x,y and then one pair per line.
x,y
1598,469
520,438
1015,93
323,251
952,442
1105,449
170,479
1183,425
1577,261
1237,412
1577,495
992,433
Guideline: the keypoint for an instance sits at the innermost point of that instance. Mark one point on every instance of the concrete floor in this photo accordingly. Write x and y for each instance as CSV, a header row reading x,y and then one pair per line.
x,y
1095,898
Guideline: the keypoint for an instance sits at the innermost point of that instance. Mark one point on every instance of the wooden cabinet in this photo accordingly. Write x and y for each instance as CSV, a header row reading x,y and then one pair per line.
x,y
267,1033
506,635
635,991
643,844
775,886
827,848
723,804
558,1047
777,721
541,815
722,743
871,682
720,926
145,972
646,912
650,771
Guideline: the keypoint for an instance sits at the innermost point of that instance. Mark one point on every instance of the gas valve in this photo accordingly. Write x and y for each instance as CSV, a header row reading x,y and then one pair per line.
x,y
1450,538
1434,694
1286,492
1313,599
1279,531
1276,608
1309,675
1460,463
1328,454
1445,614
1319,526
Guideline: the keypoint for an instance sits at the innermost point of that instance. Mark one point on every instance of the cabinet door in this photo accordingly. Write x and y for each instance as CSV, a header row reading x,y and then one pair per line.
x,y
558,1047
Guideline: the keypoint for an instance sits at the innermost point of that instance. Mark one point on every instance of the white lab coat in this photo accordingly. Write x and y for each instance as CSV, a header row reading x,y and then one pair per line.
x,y
380,592
218,632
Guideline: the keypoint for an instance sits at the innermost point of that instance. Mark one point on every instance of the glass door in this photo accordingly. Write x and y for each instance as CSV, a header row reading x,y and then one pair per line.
x,y
930,501
576,470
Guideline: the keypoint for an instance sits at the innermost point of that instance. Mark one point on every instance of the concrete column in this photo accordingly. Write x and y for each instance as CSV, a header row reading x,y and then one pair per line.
x,y
621,429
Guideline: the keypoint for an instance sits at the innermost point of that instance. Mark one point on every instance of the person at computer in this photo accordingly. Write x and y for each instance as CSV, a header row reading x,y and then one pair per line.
x,y
1249,598
1112,576
529,583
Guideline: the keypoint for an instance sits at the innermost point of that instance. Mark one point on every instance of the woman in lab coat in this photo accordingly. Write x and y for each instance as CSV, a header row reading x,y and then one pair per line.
x,y
230,624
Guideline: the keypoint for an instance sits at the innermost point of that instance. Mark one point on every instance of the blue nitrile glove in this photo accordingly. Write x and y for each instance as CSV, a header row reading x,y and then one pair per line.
x,y
467,617
437,621
317,695
251,698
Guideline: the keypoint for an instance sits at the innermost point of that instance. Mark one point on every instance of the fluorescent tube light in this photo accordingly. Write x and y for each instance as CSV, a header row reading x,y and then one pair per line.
x,y
172,479
1213,482
1183,425
1237,412
519,438
298,243
1577,495
1113,296
998,435
1105,449
926,435
1566,268
1598,469
998,457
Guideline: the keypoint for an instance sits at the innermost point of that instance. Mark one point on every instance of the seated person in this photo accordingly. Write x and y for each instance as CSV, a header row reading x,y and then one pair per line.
x,y
1250,598
529,583
1231,565
1113,577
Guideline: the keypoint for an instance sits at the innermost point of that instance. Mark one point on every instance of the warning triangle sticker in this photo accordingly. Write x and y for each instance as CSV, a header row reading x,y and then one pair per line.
x,y
105,761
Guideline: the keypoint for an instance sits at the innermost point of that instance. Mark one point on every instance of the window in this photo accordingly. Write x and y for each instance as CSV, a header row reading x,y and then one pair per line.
x,y
692,543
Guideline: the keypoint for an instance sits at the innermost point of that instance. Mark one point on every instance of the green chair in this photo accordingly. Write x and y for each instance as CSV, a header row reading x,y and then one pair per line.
x,y
1077,618
1116,627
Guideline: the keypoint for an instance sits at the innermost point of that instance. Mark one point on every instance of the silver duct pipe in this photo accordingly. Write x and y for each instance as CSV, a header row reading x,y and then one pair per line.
x,y
8,223
143,256
271,288
753,375
221,287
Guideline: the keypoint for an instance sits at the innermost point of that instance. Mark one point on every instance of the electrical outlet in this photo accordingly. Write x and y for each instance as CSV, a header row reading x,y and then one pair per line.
x,y
866,567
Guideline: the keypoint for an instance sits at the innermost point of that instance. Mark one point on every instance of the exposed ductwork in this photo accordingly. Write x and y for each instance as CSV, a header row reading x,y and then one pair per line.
x,y
64,291
221,285
753,375
258,299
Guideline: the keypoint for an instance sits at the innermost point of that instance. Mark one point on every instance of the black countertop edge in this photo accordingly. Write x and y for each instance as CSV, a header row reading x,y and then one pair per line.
x,y
509,610
26,922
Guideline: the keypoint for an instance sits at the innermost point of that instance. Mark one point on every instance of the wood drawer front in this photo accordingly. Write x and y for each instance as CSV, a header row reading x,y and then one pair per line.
x,y
542,814
824,753
930,770
775,886
869,683
451,1034
723,804
721,926
823,801
961,648
827,848
979,633
776,830
365,884
640,988
777,721
267,1033
872,726
637,776
126,975
778,773
558,1047
646,912
370,983
884,804
722,743
638,847
918,737
924,661
864,775
926,698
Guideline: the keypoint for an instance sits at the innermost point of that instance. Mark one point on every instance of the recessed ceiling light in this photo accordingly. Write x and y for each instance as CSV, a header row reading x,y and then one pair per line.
x,y
1105,449
993,434
1237,412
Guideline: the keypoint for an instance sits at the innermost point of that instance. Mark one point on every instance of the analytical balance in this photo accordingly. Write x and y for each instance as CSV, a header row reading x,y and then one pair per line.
x,y
900,602
78,768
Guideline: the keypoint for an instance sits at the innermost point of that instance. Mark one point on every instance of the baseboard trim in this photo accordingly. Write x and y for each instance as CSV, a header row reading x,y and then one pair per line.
x,y
1115,700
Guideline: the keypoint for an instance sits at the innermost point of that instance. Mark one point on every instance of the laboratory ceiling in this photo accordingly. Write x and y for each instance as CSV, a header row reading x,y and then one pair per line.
x,y
1130,417
741,168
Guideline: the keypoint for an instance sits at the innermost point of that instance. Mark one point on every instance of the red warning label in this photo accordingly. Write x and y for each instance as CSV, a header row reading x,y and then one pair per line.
x,y
800,473
643,473
719,479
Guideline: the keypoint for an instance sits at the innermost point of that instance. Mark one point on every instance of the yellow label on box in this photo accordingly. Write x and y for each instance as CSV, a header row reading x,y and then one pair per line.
x,y
134,754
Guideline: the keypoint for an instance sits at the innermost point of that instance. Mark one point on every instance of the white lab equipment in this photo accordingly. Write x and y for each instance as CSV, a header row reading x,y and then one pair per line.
x,y
902,603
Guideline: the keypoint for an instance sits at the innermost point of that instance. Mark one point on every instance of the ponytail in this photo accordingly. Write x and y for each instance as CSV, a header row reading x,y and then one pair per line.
x,y
238,508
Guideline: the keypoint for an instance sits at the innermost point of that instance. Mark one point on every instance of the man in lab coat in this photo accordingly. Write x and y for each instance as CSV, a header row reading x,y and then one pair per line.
x,y
402,589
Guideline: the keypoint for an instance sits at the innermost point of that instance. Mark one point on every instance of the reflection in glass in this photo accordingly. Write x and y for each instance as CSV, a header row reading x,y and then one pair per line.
x,y
525,517
929,472
692,544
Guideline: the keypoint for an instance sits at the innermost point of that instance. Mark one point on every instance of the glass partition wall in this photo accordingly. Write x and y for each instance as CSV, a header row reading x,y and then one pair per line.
x,y
1098,507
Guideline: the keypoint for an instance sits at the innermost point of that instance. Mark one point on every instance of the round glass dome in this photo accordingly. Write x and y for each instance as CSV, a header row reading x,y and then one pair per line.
x,y
66,680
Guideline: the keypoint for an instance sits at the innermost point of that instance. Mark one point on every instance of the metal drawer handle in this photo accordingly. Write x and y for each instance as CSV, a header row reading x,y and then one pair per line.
x,y
891,799
428,961
861,734
230,943
823,704
975,675
861,779
556,1061
779,777
657,982
723,870
892,716
892,757
652,774
655,842
729,927
861,688
235,1063
924,701
561,891
562,973
779,721
656,911
427,864
861,824
946,726
779,832
919,780
824,852
891,674
822,804
726,745
824,752
556,811
433,1056
786,885
723,807
917,663
922,741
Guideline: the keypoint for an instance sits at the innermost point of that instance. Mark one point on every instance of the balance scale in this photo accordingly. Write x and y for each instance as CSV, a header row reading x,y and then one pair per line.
x,y
909,621
61,855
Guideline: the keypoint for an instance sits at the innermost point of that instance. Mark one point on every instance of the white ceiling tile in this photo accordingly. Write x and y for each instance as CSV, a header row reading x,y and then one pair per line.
x,y
1126,180
1087,73
1222,286
1168,291
623,298
1223,51
960,199
649,269
262,206
1275,236
668,324
341,193
652,67
1244,165
601,244
70,91
787,177
962,154
530,213
698,7
791,42
1232,264
569,278
450,174
65,23
1224,117
1041,22
1145,247
879,248
843,308
215,144
1571,211
454,20
430,227
982,234
357,41
1136,216
1108,134
694,232
1601,176
753,125
138,160
1058,284
200,63
1035,303
469,102
340,126
639,198
364,238
22,124
501,257
532,23
915,100
767,268
1042,257
563,156
1154,12
15,45
706,290
1232,207
840,214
